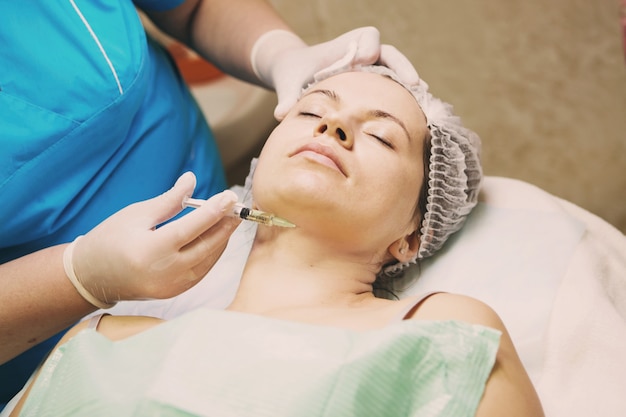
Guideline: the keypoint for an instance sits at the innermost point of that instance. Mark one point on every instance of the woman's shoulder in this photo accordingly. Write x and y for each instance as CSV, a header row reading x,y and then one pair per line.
x,y
450,306
115,327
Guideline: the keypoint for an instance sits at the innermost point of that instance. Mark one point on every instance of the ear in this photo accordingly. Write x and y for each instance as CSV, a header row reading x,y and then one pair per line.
x,y
405,248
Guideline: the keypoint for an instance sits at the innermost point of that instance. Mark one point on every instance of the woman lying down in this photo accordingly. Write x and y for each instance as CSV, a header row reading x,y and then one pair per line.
x,y
375,175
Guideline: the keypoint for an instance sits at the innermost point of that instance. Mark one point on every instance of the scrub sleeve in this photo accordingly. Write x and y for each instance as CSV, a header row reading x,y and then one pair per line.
x,y
94,116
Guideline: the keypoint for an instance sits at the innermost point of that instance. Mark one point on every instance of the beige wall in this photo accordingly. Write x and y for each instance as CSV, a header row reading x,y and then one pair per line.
x,y
542,82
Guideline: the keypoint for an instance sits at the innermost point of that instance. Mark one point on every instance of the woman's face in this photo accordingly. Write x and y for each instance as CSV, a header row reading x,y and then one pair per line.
x,y
346,161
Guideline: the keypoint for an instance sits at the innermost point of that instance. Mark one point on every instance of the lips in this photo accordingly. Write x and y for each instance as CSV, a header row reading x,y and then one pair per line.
x,y
323,154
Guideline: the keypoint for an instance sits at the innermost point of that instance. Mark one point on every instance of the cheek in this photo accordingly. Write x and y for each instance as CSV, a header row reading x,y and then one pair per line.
x,y
396,193
265,172
273,150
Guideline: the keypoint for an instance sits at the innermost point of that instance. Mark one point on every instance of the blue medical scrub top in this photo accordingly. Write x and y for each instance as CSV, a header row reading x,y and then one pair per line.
x,y
93,117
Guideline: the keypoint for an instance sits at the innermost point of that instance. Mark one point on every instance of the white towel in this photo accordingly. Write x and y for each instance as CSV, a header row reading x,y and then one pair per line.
x,y
584,373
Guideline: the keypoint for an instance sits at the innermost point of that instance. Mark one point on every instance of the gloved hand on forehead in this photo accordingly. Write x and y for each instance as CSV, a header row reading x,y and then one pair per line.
x,y
283,61
126,257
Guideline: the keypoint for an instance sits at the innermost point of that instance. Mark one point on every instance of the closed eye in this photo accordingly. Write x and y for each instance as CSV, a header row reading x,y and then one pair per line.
x,y
383,141
308,114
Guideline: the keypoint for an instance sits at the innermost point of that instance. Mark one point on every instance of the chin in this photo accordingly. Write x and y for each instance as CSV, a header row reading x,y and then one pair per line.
x,y
305,210
297,187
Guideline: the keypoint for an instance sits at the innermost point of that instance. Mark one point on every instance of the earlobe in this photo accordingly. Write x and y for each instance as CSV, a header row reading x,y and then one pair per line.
x,y
405,249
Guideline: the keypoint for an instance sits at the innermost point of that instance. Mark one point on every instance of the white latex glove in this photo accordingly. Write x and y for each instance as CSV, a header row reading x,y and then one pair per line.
x,y
127,258
284,62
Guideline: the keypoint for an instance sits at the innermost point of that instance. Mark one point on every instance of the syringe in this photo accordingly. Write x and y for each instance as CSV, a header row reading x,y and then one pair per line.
x,y
243,212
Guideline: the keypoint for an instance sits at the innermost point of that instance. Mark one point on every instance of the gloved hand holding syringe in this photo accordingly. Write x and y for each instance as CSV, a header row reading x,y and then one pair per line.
x,y
143,252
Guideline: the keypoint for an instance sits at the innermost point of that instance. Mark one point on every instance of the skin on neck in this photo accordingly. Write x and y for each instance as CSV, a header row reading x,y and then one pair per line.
x,y
288,269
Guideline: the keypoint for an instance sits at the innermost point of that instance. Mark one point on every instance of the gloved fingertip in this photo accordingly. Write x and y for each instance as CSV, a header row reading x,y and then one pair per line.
x,y
184,187
279,116
369,46
395,60
281,110
187,177
226,199
370,32
413,79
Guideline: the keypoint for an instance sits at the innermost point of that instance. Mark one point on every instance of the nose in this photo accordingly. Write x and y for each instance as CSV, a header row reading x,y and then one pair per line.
x,y
332,126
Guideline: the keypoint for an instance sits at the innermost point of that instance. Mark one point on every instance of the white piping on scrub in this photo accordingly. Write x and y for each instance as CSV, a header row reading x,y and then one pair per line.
x,y
95,38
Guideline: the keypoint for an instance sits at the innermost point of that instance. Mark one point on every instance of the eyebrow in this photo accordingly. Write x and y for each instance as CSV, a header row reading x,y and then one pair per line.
x,y
378,114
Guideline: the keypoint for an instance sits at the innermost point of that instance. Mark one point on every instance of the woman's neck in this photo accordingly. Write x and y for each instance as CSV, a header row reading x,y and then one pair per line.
x,y
290,270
